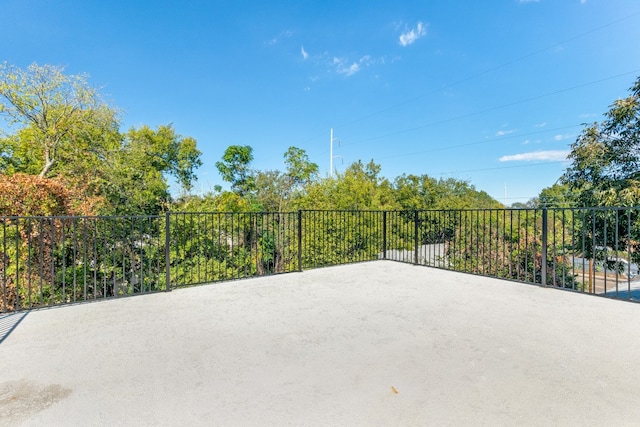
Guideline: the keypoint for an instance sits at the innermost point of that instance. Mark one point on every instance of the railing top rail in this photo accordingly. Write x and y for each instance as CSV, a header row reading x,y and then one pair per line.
x,y
233,213
346,210
75,217
72,217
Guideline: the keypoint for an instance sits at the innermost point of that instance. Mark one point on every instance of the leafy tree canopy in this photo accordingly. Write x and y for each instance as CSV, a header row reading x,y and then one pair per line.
x,y
424,192
234,168
605,168
62,129
360,187
59,115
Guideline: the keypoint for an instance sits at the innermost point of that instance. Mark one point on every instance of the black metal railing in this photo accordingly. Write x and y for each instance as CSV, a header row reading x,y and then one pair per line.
x,y
48,261
591,250
340,237
210,247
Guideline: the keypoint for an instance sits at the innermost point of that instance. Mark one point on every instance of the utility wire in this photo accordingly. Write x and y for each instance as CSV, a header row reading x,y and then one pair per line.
x,y
484,141
497,67
475,113
501,167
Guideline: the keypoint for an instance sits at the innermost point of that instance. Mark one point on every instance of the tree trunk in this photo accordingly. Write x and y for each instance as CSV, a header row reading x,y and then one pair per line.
x,y
48,163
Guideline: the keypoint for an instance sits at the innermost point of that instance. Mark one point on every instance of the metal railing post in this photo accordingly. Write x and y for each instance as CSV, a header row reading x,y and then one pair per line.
x,y
415,236
167,252
384,235
545,238
299,239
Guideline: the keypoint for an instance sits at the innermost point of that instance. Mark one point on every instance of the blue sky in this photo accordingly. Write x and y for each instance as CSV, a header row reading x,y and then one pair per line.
x,y
490,92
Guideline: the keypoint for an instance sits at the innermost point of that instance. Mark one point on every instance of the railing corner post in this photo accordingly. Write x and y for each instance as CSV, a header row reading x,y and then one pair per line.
x,y
167,252
545,239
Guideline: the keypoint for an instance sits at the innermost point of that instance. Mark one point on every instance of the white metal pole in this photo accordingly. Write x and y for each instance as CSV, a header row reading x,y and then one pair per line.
x,y
331,154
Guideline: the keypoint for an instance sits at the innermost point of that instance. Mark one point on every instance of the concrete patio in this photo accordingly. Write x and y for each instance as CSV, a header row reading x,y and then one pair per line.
x,y
379,343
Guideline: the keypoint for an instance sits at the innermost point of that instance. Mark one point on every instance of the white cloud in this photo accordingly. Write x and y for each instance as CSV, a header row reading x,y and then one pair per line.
x,y
505,132
348,69
410,36
561,137
541,125
583,1
550,155
282,35
304,53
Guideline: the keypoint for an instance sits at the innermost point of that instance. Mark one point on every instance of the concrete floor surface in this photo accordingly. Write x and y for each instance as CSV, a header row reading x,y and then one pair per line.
x,y
372,344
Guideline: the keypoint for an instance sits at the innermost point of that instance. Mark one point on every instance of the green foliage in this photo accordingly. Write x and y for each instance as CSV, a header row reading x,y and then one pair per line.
x,y
605,169
300,170
272,191
60,115
64,130
338,237
138,171
54,260
225,201
360,187
209,247
234,168
507,244
424,192
559,195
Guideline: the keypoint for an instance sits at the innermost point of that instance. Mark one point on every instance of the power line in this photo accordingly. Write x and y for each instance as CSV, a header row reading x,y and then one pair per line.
x,y
502,65
497,67
501,167
511,104
484,141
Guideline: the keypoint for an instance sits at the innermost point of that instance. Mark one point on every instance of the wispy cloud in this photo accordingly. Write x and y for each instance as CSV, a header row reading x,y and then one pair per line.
x,y
562,137
505,132
349,68
541,125
550,155
304,53
275,40
411,35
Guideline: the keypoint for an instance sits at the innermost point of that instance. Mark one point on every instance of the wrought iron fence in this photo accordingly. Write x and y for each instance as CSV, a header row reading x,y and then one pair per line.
x,y
48,261
56,260
591,250
340,237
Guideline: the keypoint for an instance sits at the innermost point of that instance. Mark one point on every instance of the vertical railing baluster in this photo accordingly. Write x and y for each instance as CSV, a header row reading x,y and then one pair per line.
x,y
29,262
415,236
545,236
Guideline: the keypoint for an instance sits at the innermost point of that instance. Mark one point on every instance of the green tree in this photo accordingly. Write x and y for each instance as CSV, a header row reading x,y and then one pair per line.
x,y
234,168
424,192
60,116
559,195
359,187
605,168
276,191
271,192
415,192
140,169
